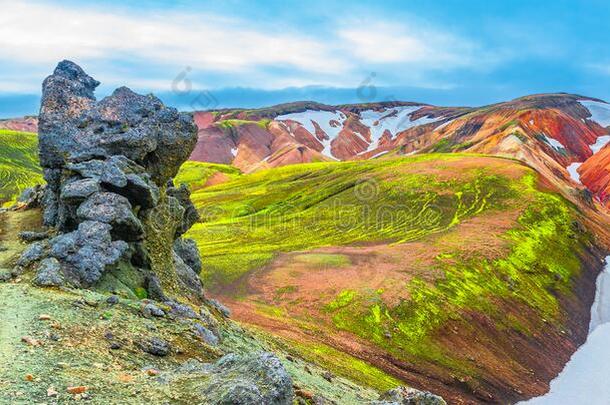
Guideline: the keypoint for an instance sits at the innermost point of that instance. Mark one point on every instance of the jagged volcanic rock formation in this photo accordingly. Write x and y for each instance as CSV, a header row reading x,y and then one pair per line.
x,y
109,167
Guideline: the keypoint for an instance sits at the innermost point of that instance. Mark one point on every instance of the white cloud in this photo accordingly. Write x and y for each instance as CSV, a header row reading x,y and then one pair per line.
x,y
382,42
119,47
40,32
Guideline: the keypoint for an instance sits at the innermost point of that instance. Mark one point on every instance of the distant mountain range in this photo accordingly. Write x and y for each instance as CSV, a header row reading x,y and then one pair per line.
x,y
563,136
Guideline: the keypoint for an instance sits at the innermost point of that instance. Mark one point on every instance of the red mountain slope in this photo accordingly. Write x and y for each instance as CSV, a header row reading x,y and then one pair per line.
x,y
561,135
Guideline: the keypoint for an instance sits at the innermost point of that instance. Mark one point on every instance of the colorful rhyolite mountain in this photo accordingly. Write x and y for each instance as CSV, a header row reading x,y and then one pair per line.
x,y
563,136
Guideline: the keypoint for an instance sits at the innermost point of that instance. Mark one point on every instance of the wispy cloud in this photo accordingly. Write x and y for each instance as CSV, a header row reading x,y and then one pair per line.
x,y
40,32
407,43
149,48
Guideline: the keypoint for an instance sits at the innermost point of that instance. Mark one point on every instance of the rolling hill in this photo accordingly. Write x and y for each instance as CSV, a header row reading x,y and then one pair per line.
x,y
433,268
399,241
19,167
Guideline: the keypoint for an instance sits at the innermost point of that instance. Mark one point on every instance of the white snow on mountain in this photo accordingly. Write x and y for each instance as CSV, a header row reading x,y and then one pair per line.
x,y
600,112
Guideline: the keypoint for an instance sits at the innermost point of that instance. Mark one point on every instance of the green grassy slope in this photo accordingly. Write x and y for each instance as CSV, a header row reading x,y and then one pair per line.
x,y
249,220
19,167
246,223
196,174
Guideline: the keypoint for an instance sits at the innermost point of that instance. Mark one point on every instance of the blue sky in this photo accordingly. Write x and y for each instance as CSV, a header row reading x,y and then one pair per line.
x,y
200,54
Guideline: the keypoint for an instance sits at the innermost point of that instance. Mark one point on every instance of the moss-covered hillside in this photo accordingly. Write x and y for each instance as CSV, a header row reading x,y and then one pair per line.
x,y
441,263
19,167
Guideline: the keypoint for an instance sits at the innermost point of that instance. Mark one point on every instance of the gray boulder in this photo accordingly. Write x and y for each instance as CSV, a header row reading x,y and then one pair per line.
x,y
151,310
79,190
32,253
189,253
33,236
251,379
408,396
181,310
187,277
155,346
206,335
49,273
86,252
113,209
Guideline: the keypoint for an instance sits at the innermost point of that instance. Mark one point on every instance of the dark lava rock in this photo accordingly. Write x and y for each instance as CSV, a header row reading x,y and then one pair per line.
x,y
189,253
49,273
79,190
112,300
408,396
226,312
31,197
107,165
31,236
74,127
258,378
150,310
190,216
156,346
5,276
205,334
32,253
182,311
188,277
113,209
86,252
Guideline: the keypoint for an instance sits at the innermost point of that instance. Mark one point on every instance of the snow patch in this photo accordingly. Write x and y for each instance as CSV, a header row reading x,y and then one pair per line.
x,y
600,142
379,154
572,170
394,120
600,310
554,143
359,135
584,378
600,112
323,119
234,152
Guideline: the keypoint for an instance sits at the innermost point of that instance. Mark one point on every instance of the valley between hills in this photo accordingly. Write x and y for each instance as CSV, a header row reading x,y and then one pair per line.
x,y
452,250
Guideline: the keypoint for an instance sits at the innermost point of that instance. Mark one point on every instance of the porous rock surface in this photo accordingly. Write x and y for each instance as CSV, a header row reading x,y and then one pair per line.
x,y
110,198
408,396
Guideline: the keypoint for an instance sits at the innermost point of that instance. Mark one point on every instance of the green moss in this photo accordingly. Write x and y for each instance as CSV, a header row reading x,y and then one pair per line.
x,y
342,300
509,124
442,146
248,221
141,293
528,274
232,123
196,174
520,136
323,259
19,168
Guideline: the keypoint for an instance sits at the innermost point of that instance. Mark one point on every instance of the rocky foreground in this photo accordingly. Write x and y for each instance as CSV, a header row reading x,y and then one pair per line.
x,y
105,303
